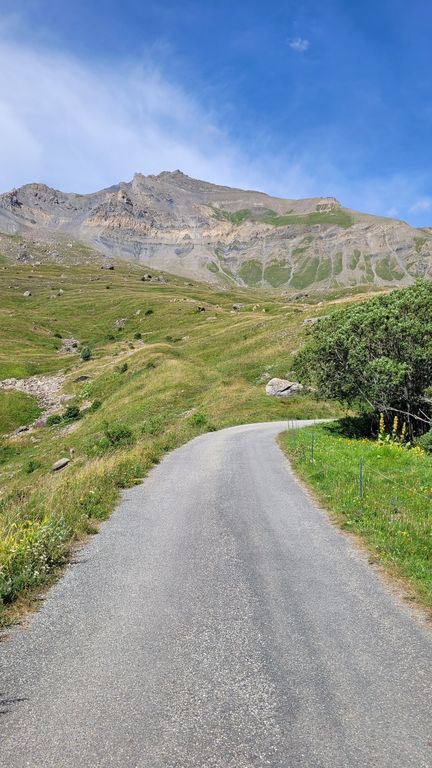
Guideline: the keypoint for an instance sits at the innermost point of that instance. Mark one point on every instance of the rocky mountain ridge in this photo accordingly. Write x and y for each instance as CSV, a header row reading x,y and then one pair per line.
x,y
201,230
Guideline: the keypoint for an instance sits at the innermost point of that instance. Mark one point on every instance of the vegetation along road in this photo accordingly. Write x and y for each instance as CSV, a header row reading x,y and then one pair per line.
x,y
218,620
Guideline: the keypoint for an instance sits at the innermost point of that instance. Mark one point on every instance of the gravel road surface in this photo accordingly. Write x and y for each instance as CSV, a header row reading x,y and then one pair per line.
x,y
218,621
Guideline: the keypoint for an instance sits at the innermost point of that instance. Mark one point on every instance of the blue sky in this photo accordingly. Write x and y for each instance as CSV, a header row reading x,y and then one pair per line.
x,y
294,98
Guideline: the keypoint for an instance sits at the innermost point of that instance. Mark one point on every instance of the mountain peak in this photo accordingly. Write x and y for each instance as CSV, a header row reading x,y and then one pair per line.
x,y
206,231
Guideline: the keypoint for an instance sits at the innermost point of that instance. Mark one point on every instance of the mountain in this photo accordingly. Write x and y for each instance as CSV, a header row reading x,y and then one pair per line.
x,y
205,231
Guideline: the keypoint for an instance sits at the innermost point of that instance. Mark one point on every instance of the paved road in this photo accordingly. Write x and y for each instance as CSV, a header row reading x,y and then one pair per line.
x,y
218,621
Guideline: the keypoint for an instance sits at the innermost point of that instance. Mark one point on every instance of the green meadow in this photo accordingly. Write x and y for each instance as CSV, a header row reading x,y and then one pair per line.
x,y
168,361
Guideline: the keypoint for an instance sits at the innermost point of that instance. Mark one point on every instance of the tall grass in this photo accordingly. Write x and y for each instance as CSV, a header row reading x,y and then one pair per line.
x,y
394,514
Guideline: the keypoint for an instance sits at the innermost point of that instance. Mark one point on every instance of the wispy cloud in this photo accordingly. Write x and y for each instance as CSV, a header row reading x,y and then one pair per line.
x,y
80,127
299,44
423,204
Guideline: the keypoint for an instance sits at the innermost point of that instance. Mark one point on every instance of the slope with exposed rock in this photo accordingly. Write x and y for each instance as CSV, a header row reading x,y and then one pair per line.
x,y
201,230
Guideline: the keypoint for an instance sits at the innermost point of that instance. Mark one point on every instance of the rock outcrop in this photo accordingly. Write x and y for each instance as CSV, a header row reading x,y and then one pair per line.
x,y
283,388
205,231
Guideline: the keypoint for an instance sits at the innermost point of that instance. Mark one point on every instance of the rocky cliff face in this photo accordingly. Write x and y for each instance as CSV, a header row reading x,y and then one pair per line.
x,y
216,233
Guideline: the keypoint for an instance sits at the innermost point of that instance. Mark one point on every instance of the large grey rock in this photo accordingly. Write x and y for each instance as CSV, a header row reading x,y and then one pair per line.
x,y
60,464
283,387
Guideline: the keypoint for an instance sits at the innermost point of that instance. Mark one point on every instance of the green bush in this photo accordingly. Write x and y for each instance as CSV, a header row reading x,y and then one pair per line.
x,y
137,335
376,355
148,311
39,545
31,466
198,419
72,412
118,434
85,353
96,404
425,441
55,418
122,368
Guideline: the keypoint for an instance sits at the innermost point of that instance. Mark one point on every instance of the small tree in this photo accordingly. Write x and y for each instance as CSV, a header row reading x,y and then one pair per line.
x,y
376,355
85,353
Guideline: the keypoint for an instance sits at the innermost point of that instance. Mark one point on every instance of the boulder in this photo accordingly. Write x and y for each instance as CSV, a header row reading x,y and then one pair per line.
x,y
60,464
20,430
27,293
283,387
69,346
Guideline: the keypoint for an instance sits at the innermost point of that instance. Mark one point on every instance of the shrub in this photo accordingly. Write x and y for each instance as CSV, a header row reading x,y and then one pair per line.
x,y
72,412
376,355
137,335
57,335
198,419
425,441
86,353
110,337
31,466
122,368
118,434
55,418
96,404
148,311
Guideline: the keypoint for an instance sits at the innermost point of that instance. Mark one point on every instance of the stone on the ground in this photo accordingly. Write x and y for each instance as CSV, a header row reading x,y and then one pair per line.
x,y
60,464
283,387
69,346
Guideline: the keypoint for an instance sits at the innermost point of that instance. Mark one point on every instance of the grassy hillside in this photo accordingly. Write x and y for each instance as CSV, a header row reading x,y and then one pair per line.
x,y
16,409
168,362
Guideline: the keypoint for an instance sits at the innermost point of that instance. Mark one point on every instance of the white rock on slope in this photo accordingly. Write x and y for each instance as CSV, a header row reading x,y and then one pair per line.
x,y
283,387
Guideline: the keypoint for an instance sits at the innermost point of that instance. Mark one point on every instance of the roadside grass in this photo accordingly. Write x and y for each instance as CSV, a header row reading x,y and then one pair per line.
x,y
394,517
184,375
16,409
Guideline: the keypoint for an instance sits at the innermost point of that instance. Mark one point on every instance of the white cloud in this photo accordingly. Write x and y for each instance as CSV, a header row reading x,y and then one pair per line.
x,y
423,204
80,127
299,44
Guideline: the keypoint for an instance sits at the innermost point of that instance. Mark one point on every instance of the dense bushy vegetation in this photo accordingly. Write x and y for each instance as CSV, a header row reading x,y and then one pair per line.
x,y
377,356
